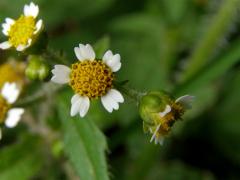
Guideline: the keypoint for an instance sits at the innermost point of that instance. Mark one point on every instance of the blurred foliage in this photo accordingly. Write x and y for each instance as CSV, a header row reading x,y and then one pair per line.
x,y
182,46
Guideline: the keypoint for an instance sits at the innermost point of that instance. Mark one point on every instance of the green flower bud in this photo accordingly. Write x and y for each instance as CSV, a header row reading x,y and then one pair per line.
x,y
160,111
37,69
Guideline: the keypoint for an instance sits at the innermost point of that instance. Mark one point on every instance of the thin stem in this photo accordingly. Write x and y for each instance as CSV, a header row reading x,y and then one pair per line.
x,y
54,56
38,95
131,93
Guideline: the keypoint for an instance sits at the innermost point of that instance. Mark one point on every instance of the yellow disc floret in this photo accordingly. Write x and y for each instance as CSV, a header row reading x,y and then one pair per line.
x,y
11,73
4,107
177,110
91,78
22,30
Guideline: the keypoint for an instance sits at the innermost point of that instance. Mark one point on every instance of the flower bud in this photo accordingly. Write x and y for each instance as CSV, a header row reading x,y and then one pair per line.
x,y
160,111
37,69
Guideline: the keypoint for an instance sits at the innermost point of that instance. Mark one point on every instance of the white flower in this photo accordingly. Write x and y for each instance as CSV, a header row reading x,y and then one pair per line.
x,y
90,79
22,32
10,116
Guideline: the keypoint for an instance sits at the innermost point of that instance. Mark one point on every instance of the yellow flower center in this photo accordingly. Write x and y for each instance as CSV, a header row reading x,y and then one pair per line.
x,y
22,30
10,73
91,78
177,110
4,107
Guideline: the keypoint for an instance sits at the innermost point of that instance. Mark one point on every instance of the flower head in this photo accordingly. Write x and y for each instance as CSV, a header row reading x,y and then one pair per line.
x,y
12,71
22,32
160,111
8,115
90,78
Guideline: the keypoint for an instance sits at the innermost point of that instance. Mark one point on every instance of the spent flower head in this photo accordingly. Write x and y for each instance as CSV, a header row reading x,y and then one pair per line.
x,y
22,32
160,111
90,78
9,115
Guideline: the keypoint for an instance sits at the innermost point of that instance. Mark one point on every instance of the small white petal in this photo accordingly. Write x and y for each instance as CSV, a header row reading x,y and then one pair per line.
x,y
31,10
166,111
61,74
59,79
155,133
10,92
75,98
108,103
21,47
84,52
88,52
10,21
116,95
5,45
78,54
38,26
107,56
84,106
81,106
113,61
111,100
13,117
186,101
6,26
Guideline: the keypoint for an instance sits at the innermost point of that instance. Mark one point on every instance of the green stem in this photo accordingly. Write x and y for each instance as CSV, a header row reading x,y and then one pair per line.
x,y
53,56
131,93
37,96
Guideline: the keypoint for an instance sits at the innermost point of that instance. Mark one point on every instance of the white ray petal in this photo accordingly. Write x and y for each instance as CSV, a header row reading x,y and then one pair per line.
x,y
186,101
61,74
113,61
81,106
116,95
31,10
13,117
166,111
5,45
10,21
107,103
84,106
111,100
10,92
84,52
155,133
39,26
75,98
21,47
87,51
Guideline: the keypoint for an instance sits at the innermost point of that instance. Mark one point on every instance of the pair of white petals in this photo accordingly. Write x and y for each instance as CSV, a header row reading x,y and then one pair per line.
x,y
10,92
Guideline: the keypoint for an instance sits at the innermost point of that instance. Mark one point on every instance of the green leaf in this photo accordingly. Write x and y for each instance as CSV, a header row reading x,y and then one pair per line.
x,y
84,144
19,162
216,69
208,43
101,46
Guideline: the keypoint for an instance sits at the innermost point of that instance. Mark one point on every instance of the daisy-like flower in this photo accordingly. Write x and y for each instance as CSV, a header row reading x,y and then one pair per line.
x,y
22,32
160,111
8,115
90,78
12,71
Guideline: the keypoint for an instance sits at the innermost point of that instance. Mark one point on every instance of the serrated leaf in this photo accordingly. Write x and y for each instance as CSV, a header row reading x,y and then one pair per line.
x,y
84,144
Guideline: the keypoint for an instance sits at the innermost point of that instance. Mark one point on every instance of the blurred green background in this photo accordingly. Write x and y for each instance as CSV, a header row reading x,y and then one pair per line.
x,y
181,46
